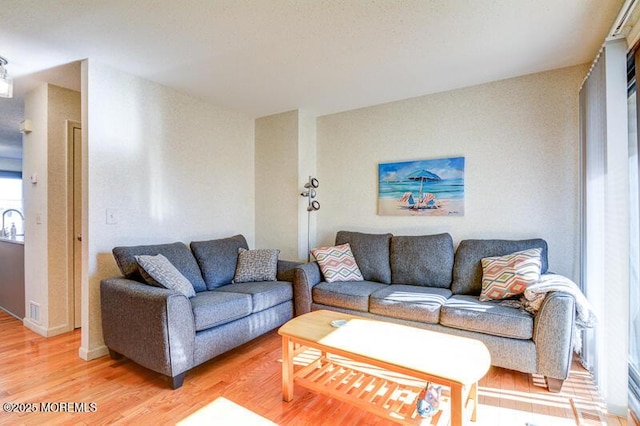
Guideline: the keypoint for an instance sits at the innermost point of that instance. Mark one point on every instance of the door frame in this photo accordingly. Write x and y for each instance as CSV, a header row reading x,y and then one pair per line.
x,y
74,220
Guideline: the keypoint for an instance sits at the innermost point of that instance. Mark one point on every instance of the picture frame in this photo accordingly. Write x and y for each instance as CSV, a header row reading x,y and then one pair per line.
x,y
432,187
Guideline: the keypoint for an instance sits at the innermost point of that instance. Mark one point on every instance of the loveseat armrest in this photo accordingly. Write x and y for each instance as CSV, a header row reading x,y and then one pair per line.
x,y
150,325
553,334
286,270
305,277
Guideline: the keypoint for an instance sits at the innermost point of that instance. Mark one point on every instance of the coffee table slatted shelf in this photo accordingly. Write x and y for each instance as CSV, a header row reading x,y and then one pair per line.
x,y
386,394
352,364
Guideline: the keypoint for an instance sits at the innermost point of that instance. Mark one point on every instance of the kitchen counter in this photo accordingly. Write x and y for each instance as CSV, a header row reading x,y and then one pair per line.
x,y
12,276
17,240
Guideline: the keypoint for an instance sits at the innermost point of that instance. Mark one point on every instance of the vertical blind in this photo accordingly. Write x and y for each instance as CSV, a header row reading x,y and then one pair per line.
x,y
593,137
634,243
605,221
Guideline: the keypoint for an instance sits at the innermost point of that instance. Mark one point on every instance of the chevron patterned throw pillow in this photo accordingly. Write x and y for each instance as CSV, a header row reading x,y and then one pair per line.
x,y
506,276
337,263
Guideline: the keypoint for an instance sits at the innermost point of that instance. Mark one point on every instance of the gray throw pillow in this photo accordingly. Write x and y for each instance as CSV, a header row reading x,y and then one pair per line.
x,y
218,259
371,252
256,265
158,271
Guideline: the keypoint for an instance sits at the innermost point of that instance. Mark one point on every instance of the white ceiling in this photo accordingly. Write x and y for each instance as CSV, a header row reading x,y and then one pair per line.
x,y
262,57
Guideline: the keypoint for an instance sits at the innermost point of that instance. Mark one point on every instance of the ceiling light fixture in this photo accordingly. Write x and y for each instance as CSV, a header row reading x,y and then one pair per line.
x,y
6,83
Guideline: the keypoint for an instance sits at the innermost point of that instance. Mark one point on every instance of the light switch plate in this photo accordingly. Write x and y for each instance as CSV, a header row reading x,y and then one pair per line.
x,y
112,216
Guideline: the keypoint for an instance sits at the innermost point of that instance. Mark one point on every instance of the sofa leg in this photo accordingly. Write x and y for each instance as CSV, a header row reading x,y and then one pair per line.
x,y
554,385
114,355
177,381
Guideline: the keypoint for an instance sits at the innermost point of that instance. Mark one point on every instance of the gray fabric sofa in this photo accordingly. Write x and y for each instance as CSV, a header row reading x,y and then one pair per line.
x,y
421,281
169,333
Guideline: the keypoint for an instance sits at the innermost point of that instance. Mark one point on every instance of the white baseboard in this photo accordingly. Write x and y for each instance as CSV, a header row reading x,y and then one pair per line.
x,y
61,329
83,352
10,313
44,331
37,328
94,353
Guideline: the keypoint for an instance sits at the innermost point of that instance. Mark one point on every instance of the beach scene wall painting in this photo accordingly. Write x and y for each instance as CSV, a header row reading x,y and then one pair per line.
x,y
421,188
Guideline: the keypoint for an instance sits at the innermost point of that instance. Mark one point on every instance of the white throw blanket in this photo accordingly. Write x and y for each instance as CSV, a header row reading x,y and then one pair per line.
x,y
534,296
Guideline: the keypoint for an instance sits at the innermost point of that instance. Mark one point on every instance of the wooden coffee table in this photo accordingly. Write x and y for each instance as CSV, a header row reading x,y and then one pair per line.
x,y
371,363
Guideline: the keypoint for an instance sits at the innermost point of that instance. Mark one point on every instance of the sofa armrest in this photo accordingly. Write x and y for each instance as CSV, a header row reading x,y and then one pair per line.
x,y
553,334
305,277
286,270
150,325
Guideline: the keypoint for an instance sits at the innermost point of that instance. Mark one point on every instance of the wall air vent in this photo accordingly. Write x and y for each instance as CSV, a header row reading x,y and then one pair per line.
x,y
34,311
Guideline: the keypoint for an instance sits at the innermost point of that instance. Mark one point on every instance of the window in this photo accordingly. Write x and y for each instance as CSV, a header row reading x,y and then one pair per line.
x,y
11,198
605,241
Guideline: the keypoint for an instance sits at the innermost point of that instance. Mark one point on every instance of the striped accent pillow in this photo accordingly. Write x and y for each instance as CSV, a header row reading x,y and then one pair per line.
x,y
159,271
337,263
510,275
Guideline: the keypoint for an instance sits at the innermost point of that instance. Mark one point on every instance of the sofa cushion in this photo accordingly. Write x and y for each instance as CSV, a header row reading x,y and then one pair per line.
x,y
425,260
467,266
371,252
159,272
468,313
409,302
212,308
348,295
337,263
218,259
256,265
264,295
177,253
509,275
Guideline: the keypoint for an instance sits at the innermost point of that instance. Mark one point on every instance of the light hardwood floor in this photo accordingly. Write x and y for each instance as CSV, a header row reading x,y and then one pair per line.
x,y
238,388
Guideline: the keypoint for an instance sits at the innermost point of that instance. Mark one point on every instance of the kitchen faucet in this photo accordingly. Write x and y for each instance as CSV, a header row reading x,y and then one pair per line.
x,y
3,233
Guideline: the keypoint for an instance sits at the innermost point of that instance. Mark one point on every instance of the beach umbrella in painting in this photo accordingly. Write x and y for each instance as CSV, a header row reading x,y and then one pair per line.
x,y
423,175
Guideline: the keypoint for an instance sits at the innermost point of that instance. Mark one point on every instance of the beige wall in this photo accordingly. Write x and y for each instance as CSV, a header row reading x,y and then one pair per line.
x,y
285,146
45,154
36,259
520,141
277,194
307,222
172,167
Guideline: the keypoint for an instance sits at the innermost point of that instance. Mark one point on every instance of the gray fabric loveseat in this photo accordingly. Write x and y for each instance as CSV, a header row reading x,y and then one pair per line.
x,y
170,333
421,281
